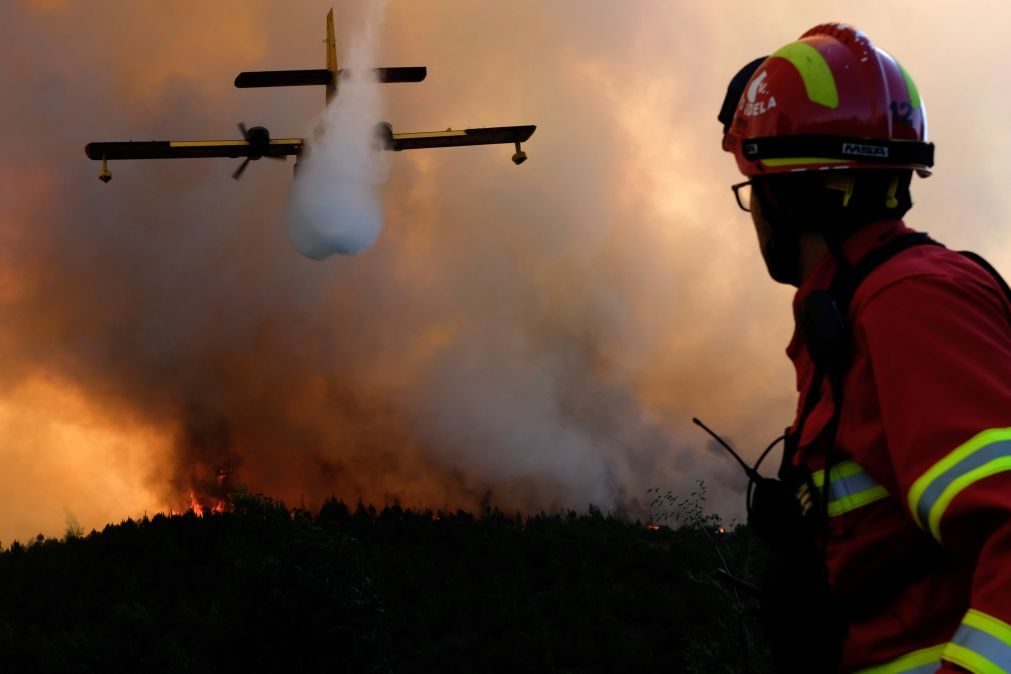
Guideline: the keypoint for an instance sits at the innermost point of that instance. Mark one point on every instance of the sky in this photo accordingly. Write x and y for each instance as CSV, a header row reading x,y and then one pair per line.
x,y
529,338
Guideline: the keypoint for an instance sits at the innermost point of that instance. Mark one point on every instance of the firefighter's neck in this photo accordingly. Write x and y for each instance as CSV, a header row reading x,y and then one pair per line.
x,y
813,249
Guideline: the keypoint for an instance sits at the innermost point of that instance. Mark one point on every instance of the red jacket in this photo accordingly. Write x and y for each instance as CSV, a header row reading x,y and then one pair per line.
x,y
923,448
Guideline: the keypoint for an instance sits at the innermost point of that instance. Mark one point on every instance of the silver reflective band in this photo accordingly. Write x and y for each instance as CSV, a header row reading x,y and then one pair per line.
x,y
981,644
850,487
985,454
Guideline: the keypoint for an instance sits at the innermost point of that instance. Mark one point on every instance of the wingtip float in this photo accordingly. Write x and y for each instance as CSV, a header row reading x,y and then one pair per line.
x,y
257,143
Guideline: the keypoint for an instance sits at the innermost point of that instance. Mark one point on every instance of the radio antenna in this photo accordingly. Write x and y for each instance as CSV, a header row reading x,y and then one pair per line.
x,y
748,470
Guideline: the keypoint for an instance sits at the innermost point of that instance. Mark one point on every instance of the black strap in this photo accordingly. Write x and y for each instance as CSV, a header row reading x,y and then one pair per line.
x,y
846,282
823,319
978,259
852,148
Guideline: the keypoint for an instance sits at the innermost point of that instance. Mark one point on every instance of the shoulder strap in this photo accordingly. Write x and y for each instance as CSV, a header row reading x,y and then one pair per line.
x,y
847,281
978,259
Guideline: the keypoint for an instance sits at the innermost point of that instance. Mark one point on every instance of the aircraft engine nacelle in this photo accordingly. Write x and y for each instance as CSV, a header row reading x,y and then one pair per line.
x,y
384,135
259,139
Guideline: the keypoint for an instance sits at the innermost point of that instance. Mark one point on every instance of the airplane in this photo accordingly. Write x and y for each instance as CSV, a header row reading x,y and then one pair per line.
x,y
257,143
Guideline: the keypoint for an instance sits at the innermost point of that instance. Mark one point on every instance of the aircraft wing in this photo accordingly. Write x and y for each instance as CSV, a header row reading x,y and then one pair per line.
x,y
190,149
301,78
486,136
402,74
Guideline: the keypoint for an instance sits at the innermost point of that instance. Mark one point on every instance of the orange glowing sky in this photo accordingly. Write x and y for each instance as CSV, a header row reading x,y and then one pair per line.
x,y
531,337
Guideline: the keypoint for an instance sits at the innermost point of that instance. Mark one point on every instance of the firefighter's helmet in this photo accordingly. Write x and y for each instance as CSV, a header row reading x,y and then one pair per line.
x,y
830,100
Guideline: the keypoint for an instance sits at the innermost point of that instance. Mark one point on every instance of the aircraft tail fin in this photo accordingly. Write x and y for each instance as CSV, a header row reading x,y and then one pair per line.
x,y
329,76
331,59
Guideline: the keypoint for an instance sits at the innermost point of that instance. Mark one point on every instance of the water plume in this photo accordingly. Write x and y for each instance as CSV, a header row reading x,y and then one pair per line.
x,y
334,205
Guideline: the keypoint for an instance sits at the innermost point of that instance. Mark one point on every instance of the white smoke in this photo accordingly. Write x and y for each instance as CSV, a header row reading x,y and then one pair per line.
x,y
334,205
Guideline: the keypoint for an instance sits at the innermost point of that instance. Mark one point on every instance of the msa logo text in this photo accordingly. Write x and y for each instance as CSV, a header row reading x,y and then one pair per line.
x,y
858,150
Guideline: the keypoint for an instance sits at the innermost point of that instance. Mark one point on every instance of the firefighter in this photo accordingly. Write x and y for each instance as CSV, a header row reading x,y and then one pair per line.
x,y
899,458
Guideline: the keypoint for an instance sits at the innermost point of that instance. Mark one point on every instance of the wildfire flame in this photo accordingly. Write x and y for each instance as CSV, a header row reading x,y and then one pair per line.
x,y
653,527
198,509
195,506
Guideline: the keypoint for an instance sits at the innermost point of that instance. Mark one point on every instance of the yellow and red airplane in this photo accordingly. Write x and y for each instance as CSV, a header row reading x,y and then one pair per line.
x,y
256,142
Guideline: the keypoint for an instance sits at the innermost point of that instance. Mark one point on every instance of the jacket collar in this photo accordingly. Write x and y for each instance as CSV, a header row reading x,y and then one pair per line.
x,y
859,244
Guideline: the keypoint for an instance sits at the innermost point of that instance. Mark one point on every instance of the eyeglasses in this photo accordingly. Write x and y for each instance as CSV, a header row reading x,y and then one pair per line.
x,y
742,192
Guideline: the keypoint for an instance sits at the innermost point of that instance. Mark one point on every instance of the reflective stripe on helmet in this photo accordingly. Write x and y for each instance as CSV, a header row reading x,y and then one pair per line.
x,y
985,454
849,488
923,661
814,71
982,644
914,93
799,161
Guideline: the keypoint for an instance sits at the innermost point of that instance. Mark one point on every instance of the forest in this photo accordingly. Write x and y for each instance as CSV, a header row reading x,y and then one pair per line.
x,y
267,588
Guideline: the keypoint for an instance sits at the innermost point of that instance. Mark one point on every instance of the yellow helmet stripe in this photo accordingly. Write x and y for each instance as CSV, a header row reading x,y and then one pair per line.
x,y
914,93
814,71
797,161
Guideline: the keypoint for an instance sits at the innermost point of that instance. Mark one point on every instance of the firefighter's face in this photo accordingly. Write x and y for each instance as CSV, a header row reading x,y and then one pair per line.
x,y
781,252
762,227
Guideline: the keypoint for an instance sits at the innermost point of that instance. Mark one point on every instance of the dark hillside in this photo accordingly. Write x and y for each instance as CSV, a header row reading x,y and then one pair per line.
x,y
263,588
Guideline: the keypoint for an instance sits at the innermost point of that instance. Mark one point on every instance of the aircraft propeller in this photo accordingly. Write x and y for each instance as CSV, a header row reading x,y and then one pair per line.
x,y
259,140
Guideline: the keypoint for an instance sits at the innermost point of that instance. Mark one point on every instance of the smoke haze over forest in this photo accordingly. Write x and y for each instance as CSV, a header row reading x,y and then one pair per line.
x,y
528,337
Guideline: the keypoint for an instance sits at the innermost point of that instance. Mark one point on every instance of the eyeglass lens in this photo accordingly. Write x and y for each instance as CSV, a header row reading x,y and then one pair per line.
x,y
743,194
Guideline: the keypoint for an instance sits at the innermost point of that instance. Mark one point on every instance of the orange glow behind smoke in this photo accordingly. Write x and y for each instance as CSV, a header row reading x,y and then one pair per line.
x,y
65,460
528,338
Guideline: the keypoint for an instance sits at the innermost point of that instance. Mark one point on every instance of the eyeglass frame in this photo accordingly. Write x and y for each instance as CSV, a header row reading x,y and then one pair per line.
x,y
737,195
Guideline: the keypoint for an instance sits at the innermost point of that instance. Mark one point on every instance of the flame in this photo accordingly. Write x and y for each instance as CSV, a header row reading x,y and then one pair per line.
x,y
653,527
199,509
195,506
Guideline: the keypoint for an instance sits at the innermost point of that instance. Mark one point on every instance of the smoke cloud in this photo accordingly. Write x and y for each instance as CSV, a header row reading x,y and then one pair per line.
x,y
530,337
335,205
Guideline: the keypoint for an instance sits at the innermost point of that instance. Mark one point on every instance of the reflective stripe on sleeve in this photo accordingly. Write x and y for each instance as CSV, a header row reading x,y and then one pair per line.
x,y
985,454
982,644
850,487
924,661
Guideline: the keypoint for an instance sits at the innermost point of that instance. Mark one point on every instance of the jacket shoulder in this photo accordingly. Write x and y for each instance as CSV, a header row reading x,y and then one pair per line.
x,y
913,269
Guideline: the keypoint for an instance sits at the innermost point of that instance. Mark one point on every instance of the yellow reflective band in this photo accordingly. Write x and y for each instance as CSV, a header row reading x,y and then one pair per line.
x,y
992,626
982,643
914,93
937,511
972,661
850,488
983,455
839,471
909,663
859,500
793,161
814,71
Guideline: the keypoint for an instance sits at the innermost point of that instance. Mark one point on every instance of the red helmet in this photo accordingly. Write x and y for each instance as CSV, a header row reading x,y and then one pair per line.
x,y
830,100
